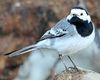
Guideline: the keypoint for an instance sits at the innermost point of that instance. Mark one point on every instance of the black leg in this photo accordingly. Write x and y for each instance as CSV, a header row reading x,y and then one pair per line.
x,y
60,57
73,63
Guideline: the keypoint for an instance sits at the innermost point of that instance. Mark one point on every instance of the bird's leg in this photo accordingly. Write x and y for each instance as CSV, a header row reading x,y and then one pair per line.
x,y
60,57
73,63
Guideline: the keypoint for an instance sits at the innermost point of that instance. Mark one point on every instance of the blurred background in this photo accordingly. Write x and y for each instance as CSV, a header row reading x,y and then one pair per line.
x,y
23,22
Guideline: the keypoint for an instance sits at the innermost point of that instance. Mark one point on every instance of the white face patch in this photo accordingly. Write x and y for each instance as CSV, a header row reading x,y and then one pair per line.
x,y
80,14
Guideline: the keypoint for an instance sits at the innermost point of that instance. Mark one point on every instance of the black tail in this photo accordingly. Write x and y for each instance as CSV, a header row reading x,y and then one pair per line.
x,y
21,51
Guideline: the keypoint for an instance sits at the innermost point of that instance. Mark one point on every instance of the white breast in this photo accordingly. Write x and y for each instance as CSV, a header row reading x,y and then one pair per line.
x,y
73,44
67,45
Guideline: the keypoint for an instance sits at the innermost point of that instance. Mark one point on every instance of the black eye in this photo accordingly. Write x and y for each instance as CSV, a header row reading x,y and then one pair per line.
x,y
81,14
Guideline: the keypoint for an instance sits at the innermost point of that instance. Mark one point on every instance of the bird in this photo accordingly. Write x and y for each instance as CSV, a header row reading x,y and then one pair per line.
x,y
68,36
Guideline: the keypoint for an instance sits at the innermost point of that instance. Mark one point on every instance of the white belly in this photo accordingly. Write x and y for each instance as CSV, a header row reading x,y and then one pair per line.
x,y
67,45
73,45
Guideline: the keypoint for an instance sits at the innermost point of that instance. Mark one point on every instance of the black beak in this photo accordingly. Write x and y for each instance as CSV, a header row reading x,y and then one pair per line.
x,y
74,15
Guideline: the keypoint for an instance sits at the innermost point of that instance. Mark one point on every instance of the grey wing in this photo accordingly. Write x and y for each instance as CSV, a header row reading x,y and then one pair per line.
x,y
50,35
63,27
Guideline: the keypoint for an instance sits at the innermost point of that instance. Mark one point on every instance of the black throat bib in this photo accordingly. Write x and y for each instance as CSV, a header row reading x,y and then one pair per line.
x,y
83,27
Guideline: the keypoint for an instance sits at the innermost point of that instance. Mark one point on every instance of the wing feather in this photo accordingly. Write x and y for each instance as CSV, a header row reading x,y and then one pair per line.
x,y
63,27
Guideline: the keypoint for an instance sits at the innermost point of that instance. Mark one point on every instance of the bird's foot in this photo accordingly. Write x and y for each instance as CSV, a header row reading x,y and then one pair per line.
x,y
73,68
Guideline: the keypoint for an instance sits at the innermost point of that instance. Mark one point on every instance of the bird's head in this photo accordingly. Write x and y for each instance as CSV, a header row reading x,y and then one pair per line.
x,y
78,14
